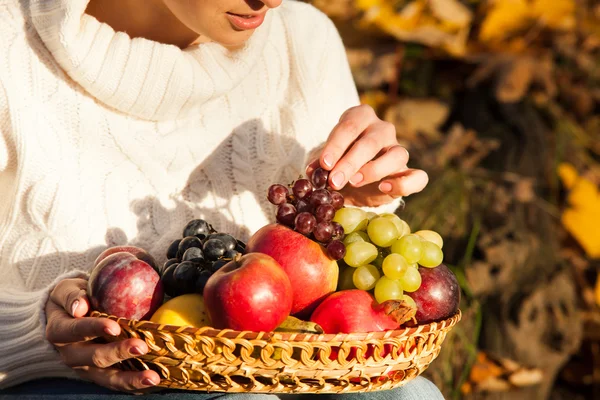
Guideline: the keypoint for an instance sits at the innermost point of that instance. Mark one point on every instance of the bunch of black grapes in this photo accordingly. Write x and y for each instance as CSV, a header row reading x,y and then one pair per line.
x,y
201,252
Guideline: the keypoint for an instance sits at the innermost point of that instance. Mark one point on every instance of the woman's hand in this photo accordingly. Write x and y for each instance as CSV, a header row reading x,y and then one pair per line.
x,y
72,335
365,161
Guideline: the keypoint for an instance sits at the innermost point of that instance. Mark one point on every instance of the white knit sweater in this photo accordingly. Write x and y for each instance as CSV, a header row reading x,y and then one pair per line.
x,y
107,140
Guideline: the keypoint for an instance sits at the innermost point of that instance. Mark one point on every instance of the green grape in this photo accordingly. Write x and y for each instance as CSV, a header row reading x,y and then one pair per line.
x,y
432,237
394,266
352,219
410,247
432,255
360,253
365,277
411,280
345,282
360,236
371,215
387,289
406,227
383,253
401,225
382,232
409,300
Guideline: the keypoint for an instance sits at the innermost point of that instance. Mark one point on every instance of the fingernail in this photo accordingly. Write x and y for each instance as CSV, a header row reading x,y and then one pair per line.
x,y
148,382
407,153
137,351
338,179
110,332
328,160
357,178
74,307
385,187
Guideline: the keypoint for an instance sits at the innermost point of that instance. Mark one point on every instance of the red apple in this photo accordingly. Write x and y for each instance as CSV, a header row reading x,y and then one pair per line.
x,y
125,286
439,295
138,252
313,274
351,311
250,293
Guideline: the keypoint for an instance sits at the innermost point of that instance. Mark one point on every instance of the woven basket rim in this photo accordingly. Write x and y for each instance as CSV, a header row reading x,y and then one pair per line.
x,y
287,336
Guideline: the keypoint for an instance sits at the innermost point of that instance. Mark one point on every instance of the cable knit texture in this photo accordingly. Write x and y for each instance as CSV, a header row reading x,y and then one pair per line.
x,y
107,141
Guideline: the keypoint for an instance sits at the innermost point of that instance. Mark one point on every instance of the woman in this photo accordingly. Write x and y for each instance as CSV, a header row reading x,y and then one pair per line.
x,y
122,120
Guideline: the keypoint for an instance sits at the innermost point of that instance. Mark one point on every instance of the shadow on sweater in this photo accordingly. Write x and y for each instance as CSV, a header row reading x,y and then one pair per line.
x,y
246,174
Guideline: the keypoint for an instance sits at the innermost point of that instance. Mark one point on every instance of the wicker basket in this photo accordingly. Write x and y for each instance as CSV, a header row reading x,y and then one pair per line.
x,y
271,362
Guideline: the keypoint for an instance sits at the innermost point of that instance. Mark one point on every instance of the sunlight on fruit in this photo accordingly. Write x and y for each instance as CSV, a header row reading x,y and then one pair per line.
x,y
184,310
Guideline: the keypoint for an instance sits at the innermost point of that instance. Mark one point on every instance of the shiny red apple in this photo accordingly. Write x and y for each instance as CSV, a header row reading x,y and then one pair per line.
x,y
312,273
138,252
124,286
438,297
250,293
351,311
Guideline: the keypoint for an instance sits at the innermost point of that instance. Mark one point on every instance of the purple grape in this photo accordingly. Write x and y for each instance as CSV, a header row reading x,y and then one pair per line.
x,y
304,206
338,231
301,188
286,214
319,178
323,231
336,250
305,223
277,194
319,196
325,212
337,200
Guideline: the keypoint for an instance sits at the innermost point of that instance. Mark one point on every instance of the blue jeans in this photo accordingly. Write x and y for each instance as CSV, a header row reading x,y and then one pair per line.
x,y
55,389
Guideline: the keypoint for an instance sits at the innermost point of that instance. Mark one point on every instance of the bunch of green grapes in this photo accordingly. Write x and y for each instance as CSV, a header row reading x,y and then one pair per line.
x,y
383,256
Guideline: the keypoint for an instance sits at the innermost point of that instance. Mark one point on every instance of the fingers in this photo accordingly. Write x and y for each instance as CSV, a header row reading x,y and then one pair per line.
x,y
123,381
375,138
352,124
71,295
404,183
62,328
393,161
102,355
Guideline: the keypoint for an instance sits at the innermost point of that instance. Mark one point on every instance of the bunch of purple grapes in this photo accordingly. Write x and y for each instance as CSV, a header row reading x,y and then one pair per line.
x,y
309,209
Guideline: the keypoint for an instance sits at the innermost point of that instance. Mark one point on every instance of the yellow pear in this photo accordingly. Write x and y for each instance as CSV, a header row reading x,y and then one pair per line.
x,y
185,310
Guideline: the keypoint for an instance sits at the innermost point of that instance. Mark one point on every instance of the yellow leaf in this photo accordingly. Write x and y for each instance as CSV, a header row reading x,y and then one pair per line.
x,y
556,14
435,23
582,218
504,18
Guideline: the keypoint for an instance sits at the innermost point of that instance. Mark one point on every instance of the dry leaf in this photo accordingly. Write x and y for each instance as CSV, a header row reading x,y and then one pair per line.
x,y
597,291
514,80
524,191
418,116
495,374
372,70
343,9
436,23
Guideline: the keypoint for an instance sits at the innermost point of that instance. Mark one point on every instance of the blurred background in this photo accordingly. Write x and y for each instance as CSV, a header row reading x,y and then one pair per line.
x,y
498,100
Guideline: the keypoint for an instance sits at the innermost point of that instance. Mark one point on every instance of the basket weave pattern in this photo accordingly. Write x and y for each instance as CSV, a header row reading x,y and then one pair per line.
x,y
272,362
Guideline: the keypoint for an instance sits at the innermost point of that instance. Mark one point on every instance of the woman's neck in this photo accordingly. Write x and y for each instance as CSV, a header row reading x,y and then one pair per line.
x,y
152,20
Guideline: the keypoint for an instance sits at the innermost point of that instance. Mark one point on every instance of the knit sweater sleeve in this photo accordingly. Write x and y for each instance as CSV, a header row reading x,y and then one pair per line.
x,y
25,354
